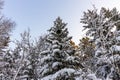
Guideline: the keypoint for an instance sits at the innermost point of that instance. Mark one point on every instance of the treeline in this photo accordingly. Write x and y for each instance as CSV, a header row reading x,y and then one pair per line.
x,y
54,56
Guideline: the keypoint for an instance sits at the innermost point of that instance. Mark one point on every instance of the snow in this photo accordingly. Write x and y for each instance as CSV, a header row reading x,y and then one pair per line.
x,y
47,78
56,51
69,58
116,48
55,46
1,74
115,58
45,71
60,72
93,77
77,78
23,77
45,58
108,78
55,41
44,67
98,52
2,64
118,38
55,64
45,52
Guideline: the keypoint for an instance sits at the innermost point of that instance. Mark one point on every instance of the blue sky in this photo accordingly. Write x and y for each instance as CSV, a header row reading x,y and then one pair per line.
x,y
39,15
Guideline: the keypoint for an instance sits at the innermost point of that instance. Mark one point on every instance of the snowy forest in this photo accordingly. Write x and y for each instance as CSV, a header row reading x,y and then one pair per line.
x,y
55,56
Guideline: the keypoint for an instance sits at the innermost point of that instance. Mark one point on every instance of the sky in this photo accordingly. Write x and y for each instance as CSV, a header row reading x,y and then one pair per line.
x,y
38,15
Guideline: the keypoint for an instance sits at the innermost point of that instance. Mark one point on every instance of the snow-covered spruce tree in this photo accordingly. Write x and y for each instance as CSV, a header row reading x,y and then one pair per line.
x,y
115,51
40,45
58,61
100,27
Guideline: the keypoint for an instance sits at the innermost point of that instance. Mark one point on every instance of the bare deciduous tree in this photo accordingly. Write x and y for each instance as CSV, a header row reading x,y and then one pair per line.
x,y
6,26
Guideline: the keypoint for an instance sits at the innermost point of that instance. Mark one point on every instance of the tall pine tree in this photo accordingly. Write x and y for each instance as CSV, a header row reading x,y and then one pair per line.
x,y
59,62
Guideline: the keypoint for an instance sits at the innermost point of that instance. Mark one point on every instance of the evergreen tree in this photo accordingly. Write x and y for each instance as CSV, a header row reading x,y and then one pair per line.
x,y
114,55
58,61
100,27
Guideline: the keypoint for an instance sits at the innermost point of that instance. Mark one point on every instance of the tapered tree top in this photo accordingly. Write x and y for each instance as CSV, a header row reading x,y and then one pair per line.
x,y
59,31
59,24
58,60
58,28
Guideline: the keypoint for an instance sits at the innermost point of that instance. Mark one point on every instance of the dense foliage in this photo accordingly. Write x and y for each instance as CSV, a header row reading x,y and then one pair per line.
x,y
54,56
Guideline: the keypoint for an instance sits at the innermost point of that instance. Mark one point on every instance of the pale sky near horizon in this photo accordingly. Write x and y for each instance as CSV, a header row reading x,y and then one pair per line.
x,y
39,15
